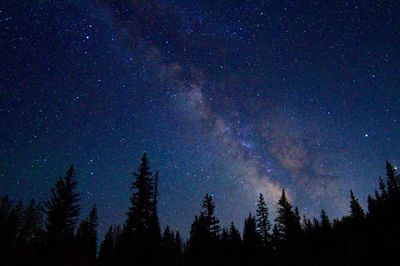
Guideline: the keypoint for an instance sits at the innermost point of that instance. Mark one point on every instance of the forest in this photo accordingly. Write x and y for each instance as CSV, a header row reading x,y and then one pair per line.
x,y
51,232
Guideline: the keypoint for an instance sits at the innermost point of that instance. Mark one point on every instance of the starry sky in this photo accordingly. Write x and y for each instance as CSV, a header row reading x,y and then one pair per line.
x,y
231,98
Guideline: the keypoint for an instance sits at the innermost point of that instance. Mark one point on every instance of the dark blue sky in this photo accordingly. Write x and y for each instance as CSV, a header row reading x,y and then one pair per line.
x,y
232,98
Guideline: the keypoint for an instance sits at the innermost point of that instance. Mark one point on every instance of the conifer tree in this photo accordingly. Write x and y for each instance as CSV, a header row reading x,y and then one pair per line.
x,y
212,222
276,237
86,239
383,190
29,239
139,214
356,211
263,224
204,235
106,251
234,235
141,238
32,224
62,211
10,225
62,208
252,241
168,247
288,221
325,223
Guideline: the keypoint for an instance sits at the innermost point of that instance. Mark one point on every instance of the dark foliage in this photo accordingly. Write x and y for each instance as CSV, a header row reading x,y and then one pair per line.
x,y
361,238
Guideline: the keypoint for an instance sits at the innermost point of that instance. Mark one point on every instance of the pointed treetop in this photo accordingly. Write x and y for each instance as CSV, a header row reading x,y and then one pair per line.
x,y
357,211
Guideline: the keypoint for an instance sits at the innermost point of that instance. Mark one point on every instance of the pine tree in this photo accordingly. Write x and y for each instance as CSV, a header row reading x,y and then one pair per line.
x,y
212,222
10,225
86,239
139,214
141,239
263,224
204,235
168,247
106,251
178,249
32,224
325,223
288,221
356,211
276,237
154,231
30,238
382,187
62,211
62,208
234,235
252,241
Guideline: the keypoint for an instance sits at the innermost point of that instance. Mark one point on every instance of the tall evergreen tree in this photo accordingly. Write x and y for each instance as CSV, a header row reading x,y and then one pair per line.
x,y
212,222
356,211
204,235
62,208
10,225
29,240
325,223
106,255
86,240
263,224
141,238
252,242
288,221
139,214
62,211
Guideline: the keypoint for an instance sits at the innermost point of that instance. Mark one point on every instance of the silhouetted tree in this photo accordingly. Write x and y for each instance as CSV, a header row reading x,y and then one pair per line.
x,y
263,224
107,254
356,211
62,211
288,222
141,238
204,235
30,237
212,222
10,224
252,242
86,240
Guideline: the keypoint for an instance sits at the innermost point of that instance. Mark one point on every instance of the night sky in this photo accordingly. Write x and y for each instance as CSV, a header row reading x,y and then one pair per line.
x,y
231,98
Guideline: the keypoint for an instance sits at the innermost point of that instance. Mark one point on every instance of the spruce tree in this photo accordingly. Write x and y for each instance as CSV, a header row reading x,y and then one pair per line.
x,y
212,222
29,240
325,223
62,208
252,241
204,235
62,211
32,224
141,239
263,224
86,239
139,214
288,221
106,250
356,211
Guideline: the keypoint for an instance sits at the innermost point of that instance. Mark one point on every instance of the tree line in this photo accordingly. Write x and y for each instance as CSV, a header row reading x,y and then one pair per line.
x,y
50,233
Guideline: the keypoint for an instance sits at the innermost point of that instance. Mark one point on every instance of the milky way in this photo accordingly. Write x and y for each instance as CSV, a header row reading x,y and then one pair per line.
x,y
231,98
